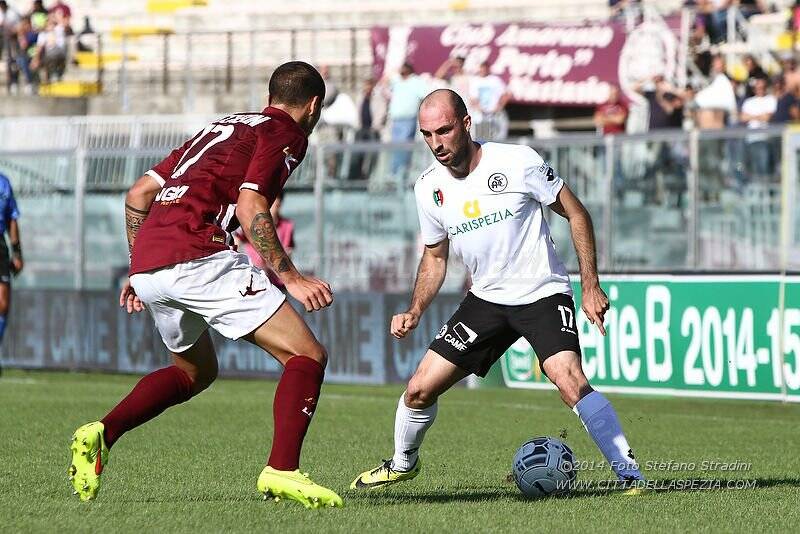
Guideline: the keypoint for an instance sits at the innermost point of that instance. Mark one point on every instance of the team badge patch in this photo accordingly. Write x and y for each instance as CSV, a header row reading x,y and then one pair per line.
x,y
498,182
438,197
442,332
548,171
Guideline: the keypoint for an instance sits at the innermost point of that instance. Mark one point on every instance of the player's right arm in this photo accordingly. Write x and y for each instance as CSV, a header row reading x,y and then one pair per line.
x,y
433,265
430,277
137,205
253,214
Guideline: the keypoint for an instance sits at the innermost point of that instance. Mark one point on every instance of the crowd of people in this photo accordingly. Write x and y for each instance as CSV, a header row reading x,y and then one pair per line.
x,y
388,106
755,101
33,43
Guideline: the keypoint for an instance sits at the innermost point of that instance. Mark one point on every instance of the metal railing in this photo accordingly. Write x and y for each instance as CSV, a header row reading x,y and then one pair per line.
x,y
665,201
178,64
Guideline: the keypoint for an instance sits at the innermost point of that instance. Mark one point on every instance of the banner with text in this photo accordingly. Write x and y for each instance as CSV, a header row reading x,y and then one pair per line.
x,y
707,336
542,63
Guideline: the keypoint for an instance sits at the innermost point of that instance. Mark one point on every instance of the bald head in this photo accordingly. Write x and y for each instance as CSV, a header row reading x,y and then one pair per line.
x,y
444,101
444,124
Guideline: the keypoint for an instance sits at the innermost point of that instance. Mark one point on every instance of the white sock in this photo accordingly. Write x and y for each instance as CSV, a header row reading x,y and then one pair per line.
x,y
600,420
410,426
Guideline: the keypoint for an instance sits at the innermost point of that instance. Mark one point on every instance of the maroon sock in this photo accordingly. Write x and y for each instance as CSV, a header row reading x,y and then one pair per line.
x,y
294,405
152,395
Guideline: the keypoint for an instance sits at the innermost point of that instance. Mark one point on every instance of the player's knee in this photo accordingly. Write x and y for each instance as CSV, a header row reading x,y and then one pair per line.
x,y
203,378
417,397
318,353
572,387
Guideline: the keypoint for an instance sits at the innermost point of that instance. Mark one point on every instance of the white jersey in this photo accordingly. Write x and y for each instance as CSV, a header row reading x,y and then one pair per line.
x,y
495,222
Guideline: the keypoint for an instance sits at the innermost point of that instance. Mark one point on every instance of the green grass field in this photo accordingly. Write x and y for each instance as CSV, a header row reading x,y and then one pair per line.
x,y
195,467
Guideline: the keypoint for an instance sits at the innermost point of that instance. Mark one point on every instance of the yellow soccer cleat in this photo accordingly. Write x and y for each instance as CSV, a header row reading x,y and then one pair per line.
x,y
637,491
296,486
634,487
384,475
89,457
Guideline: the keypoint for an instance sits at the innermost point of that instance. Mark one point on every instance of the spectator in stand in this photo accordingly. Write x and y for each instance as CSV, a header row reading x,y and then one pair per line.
x,y
284,228
610,118
50,58
405,93
787,107
748,8
9,18
489,97
754,72
452,73
39,16
331,90
63,14
665,103
718,20
757,111
369,118
666,112
25,46
791,74
627,11
716,103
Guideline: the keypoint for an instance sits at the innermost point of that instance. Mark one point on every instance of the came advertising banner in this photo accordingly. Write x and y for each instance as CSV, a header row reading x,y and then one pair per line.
x,y
542,63
709,336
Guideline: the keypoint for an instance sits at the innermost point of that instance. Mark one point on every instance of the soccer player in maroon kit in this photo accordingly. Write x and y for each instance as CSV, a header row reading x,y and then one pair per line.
x,y
180,217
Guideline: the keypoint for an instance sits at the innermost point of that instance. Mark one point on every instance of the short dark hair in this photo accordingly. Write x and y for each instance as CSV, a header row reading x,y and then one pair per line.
x,y
295,83
456,102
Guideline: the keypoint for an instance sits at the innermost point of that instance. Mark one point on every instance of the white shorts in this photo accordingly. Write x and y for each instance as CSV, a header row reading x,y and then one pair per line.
x,y
223,291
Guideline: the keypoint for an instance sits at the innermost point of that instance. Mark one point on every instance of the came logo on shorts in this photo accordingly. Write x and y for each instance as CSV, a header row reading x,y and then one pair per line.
x,y
460,337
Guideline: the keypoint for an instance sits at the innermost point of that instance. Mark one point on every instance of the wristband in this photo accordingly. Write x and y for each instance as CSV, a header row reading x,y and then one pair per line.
x,y
17,248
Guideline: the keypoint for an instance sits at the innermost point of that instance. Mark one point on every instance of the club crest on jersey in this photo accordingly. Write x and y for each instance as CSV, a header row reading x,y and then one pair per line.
x,y
171,195
289,160
498,182
438,197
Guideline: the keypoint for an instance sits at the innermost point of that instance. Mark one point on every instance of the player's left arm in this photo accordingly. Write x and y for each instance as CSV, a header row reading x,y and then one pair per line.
x,y
594,300
137,206
252,211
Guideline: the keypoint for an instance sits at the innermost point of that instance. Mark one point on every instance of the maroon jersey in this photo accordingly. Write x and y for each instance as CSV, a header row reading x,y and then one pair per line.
x,y
193,215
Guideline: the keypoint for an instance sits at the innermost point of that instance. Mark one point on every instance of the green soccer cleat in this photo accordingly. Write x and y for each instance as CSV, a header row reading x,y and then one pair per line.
x,y
296,486
89,457
384,475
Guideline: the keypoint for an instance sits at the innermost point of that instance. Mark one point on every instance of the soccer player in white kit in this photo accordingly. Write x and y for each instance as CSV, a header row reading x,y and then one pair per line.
x,y
486,203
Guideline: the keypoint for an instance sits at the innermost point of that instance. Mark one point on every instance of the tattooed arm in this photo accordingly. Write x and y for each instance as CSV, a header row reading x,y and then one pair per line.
x,y
137,205
252,211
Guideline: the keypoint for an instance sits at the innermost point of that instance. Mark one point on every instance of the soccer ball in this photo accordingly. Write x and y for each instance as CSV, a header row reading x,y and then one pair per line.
x,y
544,466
